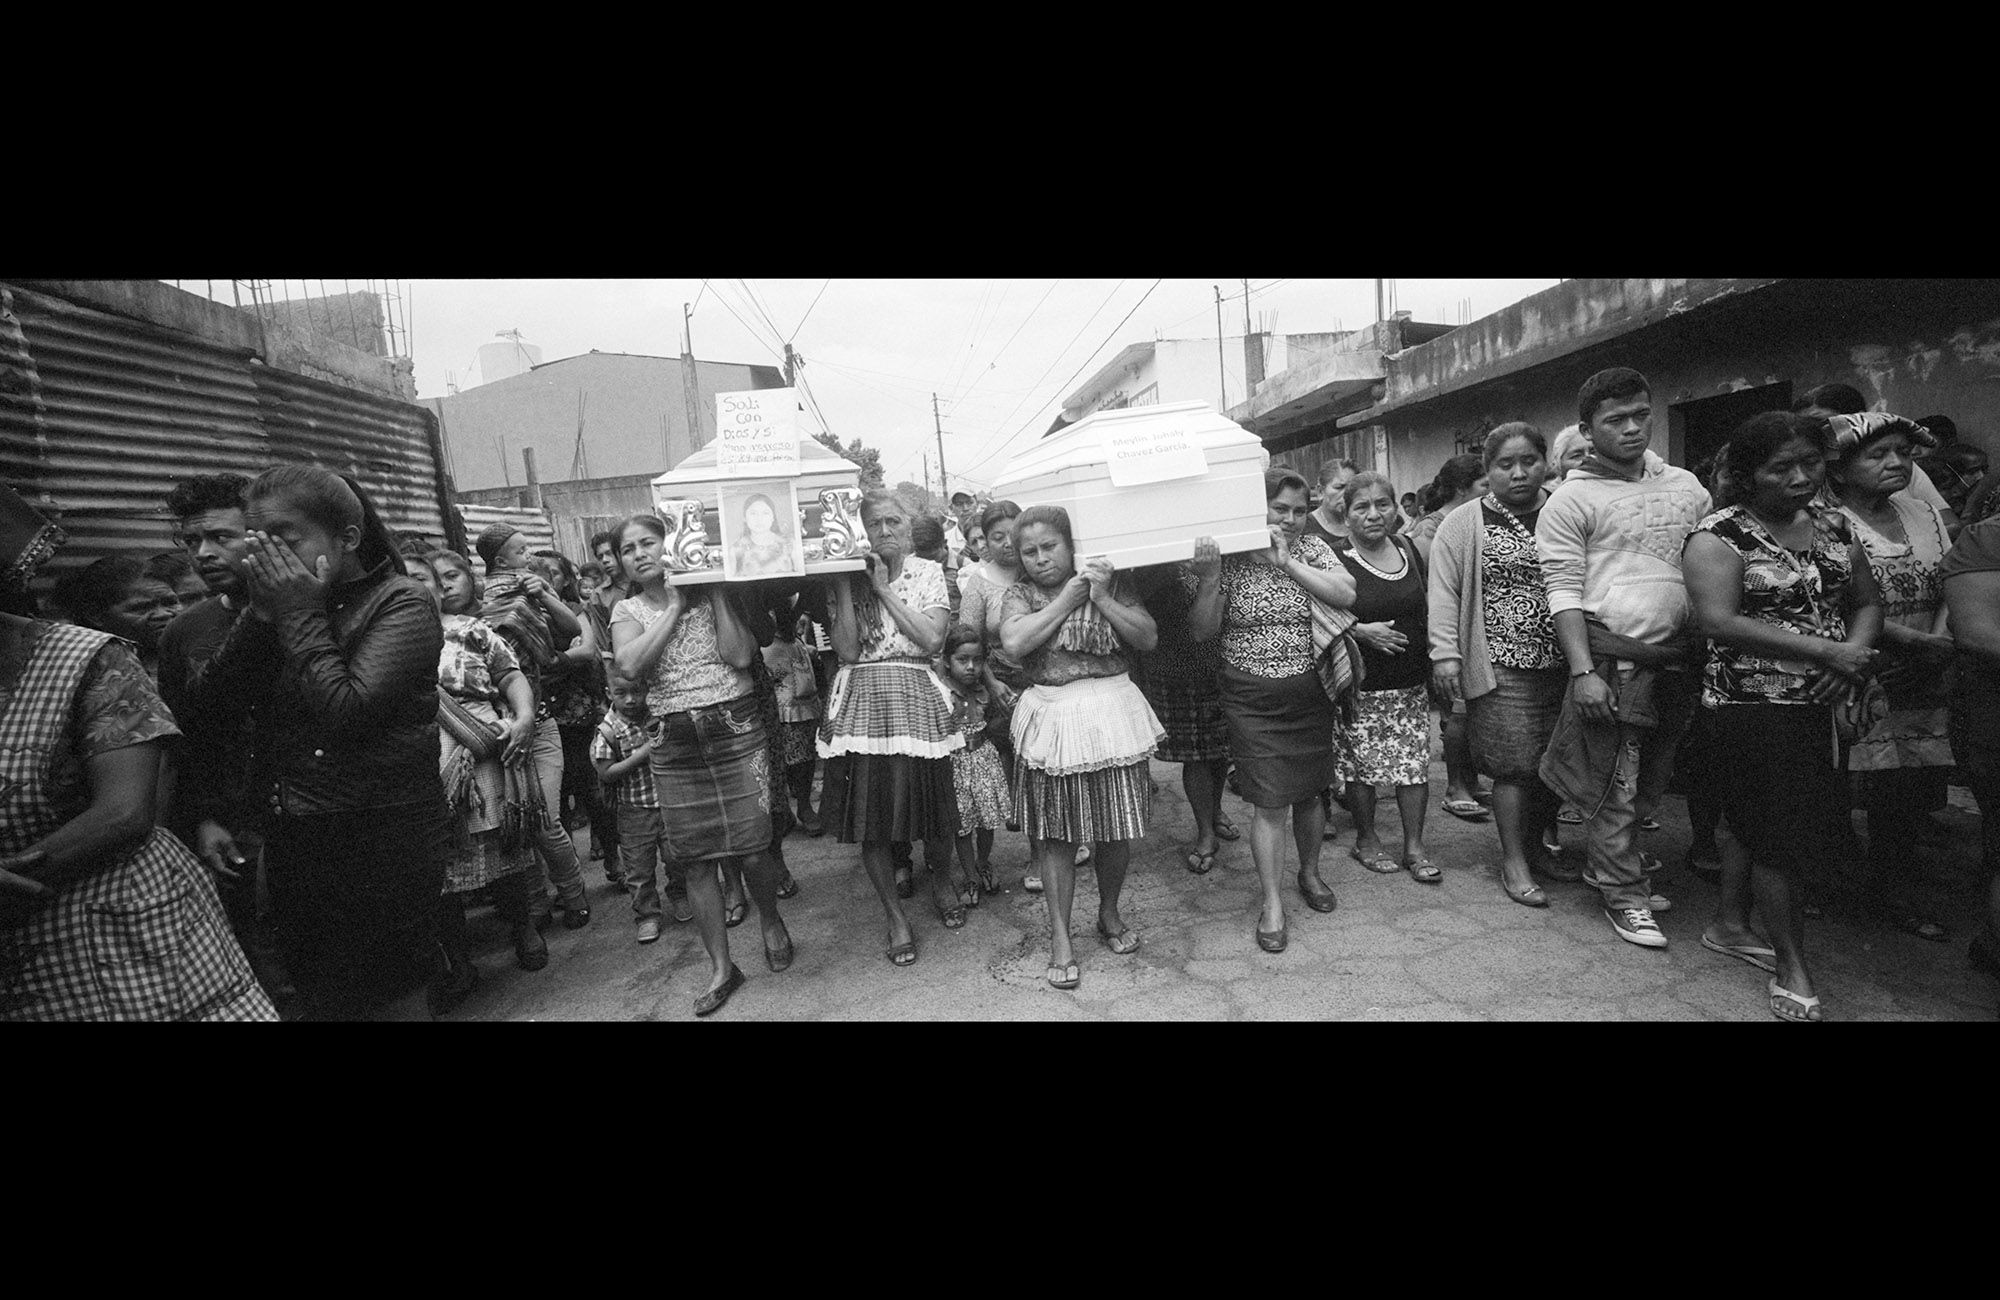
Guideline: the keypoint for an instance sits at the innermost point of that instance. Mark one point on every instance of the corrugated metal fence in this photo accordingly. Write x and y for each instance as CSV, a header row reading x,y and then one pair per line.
x,y
100,415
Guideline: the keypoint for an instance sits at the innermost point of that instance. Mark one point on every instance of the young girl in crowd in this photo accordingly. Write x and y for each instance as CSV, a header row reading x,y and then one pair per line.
x,y
985,799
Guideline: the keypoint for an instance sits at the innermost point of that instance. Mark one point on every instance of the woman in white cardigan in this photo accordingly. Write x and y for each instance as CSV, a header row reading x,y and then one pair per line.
x,y
1493,643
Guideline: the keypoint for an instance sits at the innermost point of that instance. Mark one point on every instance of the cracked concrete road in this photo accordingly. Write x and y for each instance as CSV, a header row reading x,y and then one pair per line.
x,y
1394,949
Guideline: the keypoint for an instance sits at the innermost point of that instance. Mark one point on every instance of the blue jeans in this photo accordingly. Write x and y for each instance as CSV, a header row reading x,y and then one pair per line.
x,y
552,842
1644,765
639,855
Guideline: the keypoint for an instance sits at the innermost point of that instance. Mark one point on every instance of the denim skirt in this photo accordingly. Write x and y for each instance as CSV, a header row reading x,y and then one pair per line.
x,y
712,768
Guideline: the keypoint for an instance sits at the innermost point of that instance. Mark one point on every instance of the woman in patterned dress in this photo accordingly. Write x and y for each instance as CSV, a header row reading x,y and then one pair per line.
x,y
1492,643
478,670
711,758
1787,600
1905,759
886,734
103,915
1280,722
1083,734
1390,741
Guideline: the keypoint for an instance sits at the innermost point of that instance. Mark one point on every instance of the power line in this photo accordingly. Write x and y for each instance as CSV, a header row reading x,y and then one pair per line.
x,y
1058,358
809,311
777,351
995,361
1080,369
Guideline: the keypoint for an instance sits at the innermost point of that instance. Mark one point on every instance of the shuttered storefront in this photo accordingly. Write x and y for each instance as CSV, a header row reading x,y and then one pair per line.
x,y
100,415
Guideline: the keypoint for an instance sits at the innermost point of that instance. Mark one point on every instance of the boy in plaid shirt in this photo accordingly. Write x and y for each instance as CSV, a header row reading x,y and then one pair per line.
x,y
623,758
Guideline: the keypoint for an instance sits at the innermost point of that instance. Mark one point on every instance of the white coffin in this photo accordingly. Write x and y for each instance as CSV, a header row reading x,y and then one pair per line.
x,y
688,500
1155,522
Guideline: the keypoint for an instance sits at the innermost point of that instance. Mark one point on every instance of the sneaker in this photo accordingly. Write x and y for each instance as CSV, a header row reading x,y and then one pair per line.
x,y
649,929
1635,925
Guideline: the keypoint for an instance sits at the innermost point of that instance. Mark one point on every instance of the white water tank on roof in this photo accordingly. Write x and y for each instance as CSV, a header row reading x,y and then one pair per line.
x,y
505,358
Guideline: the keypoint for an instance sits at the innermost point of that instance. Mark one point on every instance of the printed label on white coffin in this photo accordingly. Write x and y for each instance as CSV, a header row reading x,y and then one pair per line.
x,y
1152,456
757,433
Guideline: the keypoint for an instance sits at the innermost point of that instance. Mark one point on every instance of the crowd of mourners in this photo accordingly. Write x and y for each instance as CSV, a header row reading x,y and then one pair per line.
x,y
268,774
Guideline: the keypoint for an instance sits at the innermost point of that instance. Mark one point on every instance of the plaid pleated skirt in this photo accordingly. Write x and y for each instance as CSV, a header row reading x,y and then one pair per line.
x,y
1081,751
888,706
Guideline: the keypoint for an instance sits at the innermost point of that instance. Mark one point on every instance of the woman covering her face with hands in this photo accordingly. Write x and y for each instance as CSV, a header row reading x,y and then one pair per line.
x,y
1083,733
337,658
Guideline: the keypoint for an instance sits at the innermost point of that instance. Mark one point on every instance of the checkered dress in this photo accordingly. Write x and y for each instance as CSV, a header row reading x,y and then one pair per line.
x,y
145,939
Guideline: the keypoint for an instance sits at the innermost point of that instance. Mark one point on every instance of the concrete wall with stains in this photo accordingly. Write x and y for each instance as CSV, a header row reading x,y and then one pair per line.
x,y
1915,347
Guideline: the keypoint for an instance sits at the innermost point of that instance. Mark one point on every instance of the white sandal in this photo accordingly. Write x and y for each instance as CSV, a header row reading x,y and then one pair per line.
x,y
1810,1005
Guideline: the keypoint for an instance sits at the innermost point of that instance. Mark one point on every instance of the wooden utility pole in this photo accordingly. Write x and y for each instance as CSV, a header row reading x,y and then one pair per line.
x,y
690,381
1378,302
943,488
791,365
531,495
1221,364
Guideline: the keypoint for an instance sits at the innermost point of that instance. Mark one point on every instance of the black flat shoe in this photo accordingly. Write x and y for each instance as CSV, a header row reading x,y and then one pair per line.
x,y
1321,900
711,1002
1273,941
779,959
575,918
531,951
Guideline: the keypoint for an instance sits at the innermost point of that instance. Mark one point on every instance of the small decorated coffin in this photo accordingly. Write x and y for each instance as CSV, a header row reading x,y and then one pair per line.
x,y
735,529
1140,484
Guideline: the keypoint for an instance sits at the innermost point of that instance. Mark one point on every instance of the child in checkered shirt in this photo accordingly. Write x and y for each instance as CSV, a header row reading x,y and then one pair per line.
x,y
623,757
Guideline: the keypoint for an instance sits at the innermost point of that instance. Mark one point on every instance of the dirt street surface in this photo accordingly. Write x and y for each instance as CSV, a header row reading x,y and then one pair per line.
x,y
1394,950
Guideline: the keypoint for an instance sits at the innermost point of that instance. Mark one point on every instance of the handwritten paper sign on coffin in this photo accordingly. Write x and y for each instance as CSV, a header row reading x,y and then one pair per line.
x,y
819,511
1141,484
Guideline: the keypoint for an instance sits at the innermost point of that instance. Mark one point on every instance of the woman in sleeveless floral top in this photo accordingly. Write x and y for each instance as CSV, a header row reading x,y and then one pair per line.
x,y
1786,597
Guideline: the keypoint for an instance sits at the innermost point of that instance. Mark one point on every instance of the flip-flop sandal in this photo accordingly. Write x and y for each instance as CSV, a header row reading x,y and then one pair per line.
x,y
1764,959
1425,871
1065,977
1379,862
988,883
1033,884
1466,810
903,954
1200,863
953,919
1569,816
1082,854
1226,830
734,916
1808,1008
1112,941
789,888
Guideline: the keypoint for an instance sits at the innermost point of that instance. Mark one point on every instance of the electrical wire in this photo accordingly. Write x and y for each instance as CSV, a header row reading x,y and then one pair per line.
x,y
1079,370
1058,358
744,323
809,311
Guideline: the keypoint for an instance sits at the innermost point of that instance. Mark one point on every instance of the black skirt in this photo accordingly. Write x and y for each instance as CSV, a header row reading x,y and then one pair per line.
x,y
1280,734
1783,796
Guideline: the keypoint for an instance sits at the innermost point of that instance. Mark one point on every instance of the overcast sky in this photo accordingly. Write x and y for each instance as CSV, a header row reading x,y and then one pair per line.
x,y
1000,354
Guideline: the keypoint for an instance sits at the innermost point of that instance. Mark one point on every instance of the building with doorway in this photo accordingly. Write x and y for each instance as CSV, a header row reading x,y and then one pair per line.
x,y
1717,352
1193,370
602,414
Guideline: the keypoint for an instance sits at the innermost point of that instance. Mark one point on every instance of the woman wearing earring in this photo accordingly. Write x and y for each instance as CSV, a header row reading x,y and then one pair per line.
x,y
1493,643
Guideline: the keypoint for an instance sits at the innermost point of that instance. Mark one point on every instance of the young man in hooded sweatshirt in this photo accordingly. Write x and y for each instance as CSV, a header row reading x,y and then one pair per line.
x,y
1610,539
